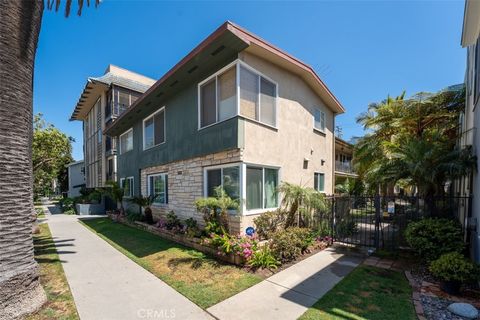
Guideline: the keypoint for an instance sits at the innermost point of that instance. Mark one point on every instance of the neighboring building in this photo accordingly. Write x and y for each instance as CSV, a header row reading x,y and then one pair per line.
x,y
235,112
470,121
103,100
76,178
343,161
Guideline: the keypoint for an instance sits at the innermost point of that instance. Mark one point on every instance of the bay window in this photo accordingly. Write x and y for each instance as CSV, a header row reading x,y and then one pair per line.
x,y
226,177
261,188
237,90
126,141
158,186
154,129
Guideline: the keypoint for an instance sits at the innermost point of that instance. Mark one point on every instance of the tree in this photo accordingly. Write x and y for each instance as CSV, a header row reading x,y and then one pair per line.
x,y
145,202
20,23
414,141
115,192
51,152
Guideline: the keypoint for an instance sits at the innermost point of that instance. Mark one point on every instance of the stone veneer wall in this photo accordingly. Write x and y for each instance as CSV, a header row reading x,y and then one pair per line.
x,y
185,183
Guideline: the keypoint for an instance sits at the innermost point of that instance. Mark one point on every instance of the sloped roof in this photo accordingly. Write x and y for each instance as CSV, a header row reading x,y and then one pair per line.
x,y
96,85
239,39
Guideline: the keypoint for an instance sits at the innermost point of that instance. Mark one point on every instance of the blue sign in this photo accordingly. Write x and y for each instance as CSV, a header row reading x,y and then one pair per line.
x,y
250,231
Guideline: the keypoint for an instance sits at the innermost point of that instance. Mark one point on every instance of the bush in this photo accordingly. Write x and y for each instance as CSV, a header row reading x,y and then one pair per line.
x,y
263,258
214,211
454,266
433,237
173,222
192,229
288,244
346,228
133,216
67,205
269,222
243,246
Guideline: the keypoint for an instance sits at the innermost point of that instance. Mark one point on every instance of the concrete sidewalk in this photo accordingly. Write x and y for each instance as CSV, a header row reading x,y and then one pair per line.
x,y
289,293
107,285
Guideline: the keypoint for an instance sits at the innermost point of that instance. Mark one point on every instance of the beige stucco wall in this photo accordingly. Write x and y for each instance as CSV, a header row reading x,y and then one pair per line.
x,y
295,138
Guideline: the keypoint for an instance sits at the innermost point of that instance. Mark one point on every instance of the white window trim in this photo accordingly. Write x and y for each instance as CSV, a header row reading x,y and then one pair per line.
x,y
315,187
164,174
324,117
237,63
120,141
131,189
221,166
263,167
164,128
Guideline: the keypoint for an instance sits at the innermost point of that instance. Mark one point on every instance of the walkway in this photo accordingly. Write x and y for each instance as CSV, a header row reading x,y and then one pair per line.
x,y
289,293
107,285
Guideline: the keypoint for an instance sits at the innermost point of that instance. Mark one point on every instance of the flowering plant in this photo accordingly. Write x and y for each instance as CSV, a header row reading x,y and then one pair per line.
x,y
243,246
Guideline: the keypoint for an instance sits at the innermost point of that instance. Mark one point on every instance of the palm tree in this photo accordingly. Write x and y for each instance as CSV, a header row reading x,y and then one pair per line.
x,y
145,202
116,192
20,290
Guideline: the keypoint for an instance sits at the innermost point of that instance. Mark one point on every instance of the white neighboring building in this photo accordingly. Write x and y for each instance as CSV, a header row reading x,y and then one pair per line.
x,y
76,178
471,119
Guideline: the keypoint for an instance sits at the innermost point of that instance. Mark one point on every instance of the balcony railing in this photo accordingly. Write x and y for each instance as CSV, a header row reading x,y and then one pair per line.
x,y
344,166
110,146
115,111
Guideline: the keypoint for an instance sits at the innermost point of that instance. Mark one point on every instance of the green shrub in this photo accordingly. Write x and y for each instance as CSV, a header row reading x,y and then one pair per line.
x,y
215,211
133,216
433,237
263,258
346,228
454,266
288,244
95,197
192,229
173,222
67,205
269,222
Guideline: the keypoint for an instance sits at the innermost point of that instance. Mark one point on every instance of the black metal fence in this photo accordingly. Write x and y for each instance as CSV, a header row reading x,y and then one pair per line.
x,y
380,221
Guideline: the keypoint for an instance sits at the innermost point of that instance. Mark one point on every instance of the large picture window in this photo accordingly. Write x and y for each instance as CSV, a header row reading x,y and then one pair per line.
x,y
226,177
126,141
158,186
261,188
237,90
127,185
154,129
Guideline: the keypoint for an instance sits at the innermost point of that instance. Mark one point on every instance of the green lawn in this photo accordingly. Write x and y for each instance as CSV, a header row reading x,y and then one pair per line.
x,y
200,278
60,304
367,293
40,212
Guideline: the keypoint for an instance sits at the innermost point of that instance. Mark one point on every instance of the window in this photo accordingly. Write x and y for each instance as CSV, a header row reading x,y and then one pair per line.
x,y
221,97
154,129
261,188
257,97
158,186
226,177
127,185
218,98
319,181
319,119
126,141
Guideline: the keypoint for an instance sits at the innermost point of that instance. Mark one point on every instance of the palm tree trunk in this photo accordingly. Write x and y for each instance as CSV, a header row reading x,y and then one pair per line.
x,y
20,290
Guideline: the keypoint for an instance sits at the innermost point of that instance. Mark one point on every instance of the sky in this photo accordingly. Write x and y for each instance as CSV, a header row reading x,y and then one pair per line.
x,y
362,50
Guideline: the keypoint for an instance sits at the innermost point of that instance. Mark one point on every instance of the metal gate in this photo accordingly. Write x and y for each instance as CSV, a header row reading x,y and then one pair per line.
x,y
380,221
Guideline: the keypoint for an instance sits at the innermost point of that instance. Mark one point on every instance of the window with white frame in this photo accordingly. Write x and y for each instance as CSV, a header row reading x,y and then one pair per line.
x,y
127,185
319,119
126,141
319,181
237,89
261,188
227,177
158,186
154,129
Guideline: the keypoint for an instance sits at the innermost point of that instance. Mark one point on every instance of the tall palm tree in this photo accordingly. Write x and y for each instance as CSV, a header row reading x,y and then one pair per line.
x,y
20,290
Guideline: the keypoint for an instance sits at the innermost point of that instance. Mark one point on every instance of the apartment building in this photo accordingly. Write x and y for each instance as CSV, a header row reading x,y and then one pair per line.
x,y
103,100
470,121
236,112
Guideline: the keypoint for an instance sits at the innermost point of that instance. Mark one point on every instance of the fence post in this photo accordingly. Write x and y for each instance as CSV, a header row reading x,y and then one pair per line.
x,y
377,221
333,219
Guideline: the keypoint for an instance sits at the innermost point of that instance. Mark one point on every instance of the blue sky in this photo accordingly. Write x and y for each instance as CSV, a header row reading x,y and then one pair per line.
x,y
362,50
